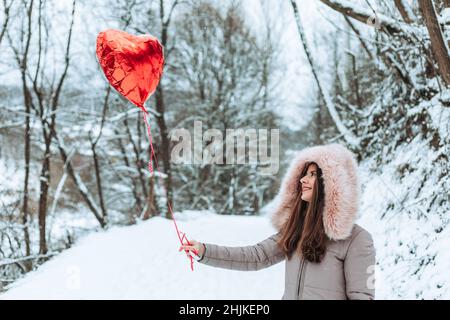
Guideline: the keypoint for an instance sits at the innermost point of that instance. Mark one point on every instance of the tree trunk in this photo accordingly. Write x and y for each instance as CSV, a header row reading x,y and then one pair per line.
x,y
99,184
27,172
160,108
403,11
438,45
164,148
126,161
151,205
28,106
44,186
48,129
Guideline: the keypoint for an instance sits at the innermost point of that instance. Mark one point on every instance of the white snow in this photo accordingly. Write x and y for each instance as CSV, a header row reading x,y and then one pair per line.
x,y
143,262
444,18
412,249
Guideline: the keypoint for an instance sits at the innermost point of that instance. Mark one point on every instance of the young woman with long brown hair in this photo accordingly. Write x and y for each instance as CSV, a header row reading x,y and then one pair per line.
x,y
328,255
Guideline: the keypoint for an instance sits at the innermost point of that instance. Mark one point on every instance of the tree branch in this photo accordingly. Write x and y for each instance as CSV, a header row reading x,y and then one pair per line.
x,y
358,34
388,25
347,135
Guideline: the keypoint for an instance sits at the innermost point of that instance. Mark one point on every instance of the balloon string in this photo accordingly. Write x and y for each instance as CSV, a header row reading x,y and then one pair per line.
x,y
150,168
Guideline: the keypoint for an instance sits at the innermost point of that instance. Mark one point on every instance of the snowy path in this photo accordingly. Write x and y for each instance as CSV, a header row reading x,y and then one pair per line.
x,y
143,262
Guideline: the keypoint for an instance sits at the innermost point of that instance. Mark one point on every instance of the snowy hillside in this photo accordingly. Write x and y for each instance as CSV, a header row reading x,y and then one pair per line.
x,y
410,225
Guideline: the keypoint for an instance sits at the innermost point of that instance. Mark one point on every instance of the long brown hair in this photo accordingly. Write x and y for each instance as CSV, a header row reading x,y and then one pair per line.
x,y
304,230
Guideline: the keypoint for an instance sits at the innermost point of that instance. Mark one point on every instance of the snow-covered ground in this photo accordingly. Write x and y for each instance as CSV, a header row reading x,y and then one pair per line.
x,y
143,262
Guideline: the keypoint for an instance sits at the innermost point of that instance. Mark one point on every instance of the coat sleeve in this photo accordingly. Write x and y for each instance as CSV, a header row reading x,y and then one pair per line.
x,y
248,258
359,267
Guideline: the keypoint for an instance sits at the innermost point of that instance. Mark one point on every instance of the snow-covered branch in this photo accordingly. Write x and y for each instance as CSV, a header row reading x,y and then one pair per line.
x,y
89,199
385,23
405,10
6,262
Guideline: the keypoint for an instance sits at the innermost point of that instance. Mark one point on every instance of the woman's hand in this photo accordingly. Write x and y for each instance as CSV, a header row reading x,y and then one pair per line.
x,y
196,248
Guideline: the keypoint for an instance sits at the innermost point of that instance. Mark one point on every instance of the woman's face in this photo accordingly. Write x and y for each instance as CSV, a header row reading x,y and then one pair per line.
x,y
308,182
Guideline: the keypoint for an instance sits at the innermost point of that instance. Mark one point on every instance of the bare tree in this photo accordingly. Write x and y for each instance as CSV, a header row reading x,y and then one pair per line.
x,y
45,109
48,134
22,61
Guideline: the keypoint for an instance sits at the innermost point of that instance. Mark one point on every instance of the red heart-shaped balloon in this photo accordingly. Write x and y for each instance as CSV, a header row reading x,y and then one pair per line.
x,y
132,64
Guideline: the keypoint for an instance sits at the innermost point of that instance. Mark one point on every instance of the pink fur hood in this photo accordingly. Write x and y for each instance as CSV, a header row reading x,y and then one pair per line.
x,y
341,187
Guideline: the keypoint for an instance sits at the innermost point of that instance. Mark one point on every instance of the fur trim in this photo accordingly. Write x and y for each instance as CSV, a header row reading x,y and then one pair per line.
x,y
341,187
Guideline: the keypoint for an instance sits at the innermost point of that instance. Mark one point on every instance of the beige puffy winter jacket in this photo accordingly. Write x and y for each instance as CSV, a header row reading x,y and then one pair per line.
x,y
347,269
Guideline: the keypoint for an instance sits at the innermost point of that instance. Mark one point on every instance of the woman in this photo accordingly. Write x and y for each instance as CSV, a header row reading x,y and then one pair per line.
x,y
328,255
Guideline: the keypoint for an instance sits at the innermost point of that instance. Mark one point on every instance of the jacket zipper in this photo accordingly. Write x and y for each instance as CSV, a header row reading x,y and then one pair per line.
x,y
300,279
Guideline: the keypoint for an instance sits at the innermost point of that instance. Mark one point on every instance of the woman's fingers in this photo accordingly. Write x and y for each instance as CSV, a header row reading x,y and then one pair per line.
x,y
189,250
186,247
192,242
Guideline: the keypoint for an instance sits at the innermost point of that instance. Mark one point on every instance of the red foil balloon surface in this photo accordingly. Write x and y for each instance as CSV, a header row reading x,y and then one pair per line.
x,y
132,64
